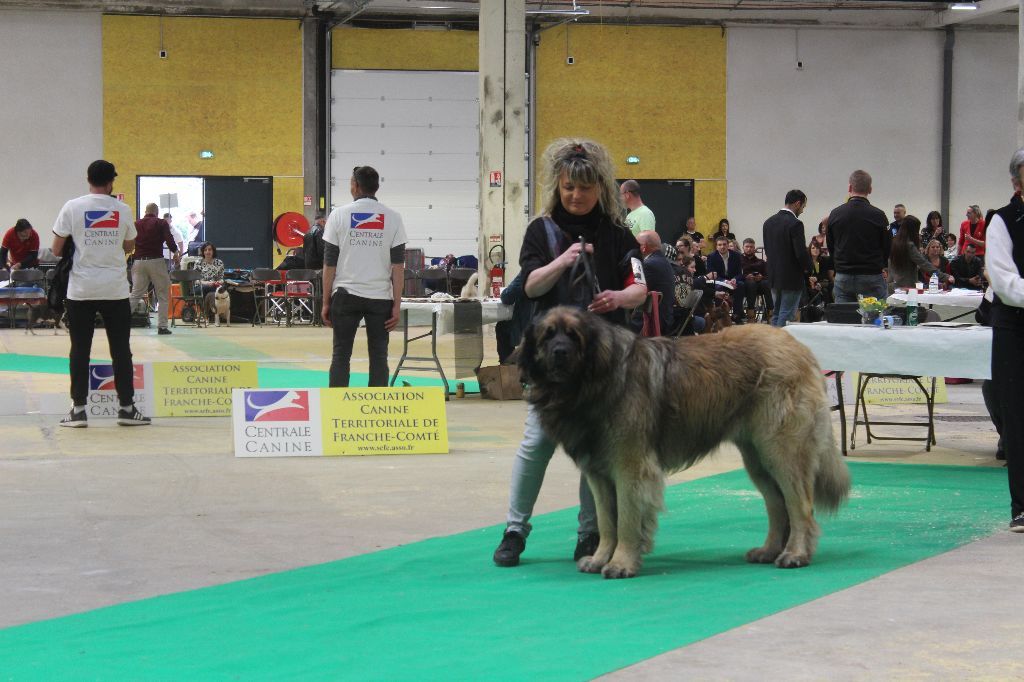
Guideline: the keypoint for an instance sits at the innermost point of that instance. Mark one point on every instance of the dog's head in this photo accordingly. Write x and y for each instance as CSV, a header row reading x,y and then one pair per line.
x,y
222,293
562,345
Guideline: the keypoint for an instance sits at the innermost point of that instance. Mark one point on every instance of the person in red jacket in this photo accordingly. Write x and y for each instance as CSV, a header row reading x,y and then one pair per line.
x,y
972,231
20,247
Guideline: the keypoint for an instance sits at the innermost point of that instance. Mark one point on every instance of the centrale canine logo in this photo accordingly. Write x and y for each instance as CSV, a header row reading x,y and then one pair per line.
x,y
101,377
96,220
276,406
367,221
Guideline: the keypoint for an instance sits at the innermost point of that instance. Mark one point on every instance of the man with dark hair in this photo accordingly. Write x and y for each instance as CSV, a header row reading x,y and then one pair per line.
x,y
313,243
966,270
755,280
726,269
640,218
899,212
788,259
21,245
363,276
858,240
153,234
103,232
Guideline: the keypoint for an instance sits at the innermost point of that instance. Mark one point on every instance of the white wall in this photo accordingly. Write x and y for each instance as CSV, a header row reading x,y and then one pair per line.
x,y
51,120
984,121
866,99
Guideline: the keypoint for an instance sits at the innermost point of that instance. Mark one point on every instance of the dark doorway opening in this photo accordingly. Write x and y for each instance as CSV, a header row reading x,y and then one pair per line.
x,y
672,203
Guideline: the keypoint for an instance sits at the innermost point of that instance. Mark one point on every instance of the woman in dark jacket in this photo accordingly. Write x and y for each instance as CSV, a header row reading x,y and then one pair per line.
x,y
906,258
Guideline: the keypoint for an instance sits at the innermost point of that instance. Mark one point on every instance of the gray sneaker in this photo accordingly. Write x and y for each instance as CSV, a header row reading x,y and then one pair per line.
x,y
75,420
130,416
1017,525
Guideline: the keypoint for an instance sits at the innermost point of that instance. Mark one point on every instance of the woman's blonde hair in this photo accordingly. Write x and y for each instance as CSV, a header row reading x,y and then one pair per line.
x,y
585,162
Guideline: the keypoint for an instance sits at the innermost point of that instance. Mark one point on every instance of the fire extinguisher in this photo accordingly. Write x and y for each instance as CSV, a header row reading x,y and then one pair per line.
x,y
497,269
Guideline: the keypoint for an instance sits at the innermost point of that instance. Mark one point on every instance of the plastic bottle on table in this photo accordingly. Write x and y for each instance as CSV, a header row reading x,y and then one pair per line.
x,y
933,284
912,308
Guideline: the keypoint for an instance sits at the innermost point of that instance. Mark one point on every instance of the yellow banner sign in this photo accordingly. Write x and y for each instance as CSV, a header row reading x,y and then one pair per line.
x,y
199,389
891,391
383,421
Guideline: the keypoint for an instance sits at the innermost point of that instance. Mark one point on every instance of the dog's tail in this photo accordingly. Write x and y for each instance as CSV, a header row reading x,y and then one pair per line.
x,y
832,482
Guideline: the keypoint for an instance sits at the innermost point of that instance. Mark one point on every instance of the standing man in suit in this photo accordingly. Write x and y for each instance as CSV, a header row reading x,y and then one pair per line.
x,y
726,268
858,240
787,257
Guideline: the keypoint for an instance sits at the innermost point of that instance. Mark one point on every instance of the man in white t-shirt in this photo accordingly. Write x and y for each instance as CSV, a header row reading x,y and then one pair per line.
x,y
102,230
364,273
640,218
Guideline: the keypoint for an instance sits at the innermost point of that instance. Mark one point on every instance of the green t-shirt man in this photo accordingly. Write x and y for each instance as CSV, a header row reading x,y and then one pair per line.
x,y
640,219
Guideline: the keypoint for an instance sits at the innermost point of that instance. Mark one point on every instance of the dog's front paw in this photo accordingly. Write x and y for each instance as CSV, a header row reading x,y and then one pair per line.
x,y
589,564
762,555
792,560
617,569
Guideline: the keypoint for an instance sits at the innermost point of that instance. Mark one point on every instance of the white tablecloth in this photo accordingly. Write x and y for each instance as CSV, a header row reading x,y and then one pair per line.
x,y
921,351
956,298
491,309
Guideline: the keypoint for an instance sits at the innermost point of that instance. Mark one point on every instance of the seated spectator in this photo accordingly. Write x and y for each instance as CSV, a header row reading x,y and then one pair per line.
x,y
686,281
211,268
726,270
905,257
951,248
933,229
659,275
820,275
723,231
755,279
20,247
966,270
933,254
313,244
819,238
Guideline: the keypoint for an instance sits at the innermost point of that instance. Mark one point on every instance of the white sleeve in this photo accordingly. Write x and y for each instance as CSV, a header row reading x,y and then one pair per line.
x,y
62,226
1002,271
400,237
331,228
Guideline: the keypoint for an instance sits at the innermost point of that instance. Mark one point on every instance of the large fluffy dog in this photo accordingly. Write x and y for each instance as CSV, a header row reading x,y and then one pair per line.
x,y
629,409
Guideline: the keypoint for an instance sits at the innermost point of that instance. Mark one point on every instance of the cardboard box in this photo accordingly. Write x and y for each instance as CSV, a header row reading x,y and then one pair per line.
x,y
500,382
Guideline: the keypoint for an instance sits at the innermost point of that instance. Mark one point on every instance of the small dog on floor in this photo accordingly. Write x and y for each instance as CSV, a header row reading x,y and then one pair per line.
x,y
42,315
720,315
218,304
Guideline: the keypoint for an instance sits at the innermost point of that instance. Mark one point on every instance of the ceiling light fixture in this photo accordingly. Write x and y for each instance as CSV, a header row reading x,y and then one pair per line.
x,y
576,11
964,6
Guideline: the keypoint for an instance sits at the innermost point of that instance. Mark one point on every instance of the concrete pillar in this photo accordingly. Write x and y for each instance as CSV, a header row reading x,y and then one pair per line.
x,y
502,132
311,124
1020,74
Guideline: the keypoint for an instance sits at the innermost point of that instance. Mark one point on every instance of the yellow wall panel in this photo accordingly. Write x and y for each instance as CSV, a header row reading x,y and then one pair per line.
x,y
233,86
654,92
404,49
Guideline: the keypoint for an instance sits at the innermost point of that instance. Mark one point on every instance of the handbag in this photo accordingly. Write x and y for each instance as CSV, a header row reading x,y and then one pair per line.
x,y
61,276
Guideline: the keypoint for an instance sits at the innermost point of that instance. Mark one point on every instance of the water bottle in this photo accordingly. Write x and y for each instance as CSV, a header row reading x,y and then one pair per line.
x,y
933,284
912,308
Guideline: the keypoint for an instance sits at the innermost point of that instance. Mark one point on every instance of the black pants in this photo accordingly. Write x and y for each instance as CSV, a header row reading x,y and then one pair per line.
x,y
117,320
1008,382
989,393
347,311
753,288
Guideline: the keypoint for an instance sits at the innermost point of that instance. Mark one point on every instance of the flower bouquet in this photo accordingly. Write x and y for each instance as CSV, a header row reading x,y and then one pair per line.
x,y
870,308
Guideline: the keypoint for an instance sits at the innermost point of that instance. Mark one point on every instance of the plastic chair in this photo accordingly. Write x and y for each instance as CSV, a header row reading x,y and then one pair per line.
x,y
190,294
301,294
652,314
266,283
690,304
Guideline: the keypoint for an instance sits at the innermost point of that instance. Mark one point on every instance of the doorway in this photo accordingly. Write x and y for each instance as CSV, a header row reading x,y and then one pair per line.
x,y
672,203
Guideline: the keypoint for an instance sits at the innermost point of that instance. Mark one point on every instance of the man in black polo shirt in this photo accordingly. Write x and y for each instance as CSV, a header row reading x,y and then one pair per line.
x,y
858,239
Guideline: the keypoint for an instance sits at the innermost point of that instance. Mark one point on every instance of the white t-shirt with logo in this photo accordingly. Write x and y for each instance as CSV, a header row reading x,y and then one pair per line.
x,y
365,231
99,225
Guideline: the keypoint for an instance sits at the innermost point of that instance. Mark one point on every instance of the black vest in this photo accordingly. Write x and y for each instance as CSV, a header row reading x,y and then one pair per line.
x,y
1003,314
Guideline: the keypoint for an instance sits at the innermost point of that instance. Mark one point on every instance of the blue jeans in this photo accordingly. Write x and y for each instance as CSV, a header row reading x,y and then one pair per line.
x,y
786,303
531,462
347,310
848,286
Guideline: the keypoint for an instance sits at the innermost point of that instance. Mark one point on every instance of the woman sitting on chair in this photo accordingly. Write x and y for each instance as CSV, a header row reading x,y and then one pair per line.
x,y
211,268
819,277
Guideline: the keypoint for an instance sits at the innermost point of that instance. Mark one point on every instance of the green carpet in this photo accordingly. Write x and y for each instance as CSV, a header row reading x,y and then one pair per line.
x,y
439,609
268,377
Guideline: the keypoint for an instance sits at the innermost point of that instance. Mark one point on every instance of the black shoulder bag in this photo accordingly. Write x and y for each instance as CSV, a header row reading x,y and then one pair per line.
x,y
62,275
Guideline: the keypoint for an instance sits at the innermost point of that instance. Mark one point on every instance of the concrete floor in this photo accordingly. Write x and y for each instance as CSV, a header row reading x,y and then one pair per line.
x,y
105,515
